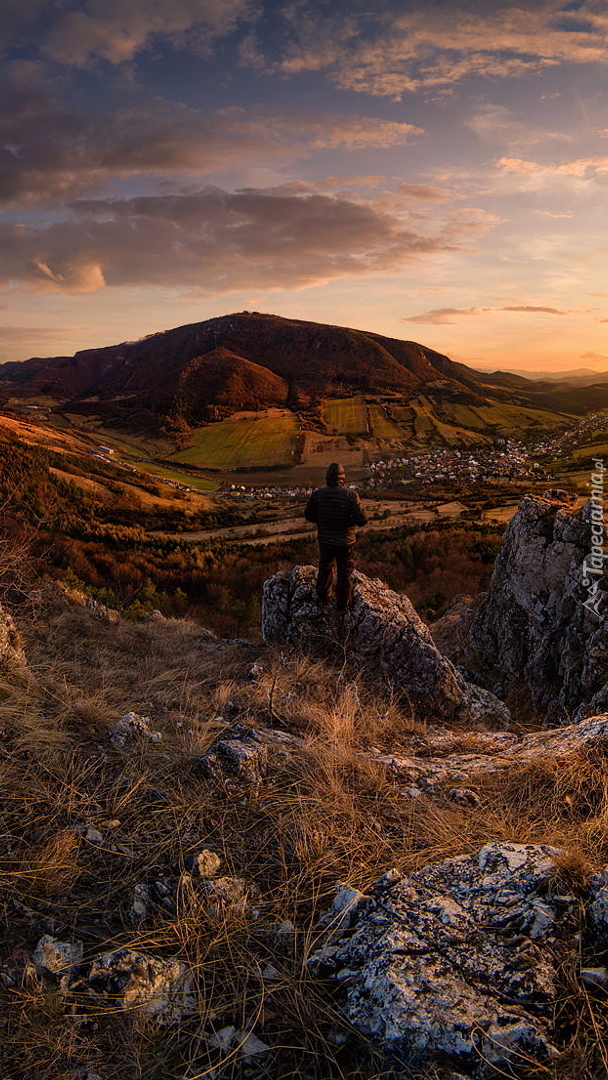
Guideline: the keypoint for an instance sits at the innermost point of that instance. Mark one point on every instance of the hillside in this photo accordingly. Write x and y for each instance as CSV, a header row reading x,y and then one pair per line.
x,y
206,372
242,860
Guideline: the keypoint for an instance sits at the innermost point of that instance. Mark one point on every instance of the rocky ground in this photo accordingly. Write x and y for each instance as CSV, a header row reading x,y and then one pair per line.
x,y
334,855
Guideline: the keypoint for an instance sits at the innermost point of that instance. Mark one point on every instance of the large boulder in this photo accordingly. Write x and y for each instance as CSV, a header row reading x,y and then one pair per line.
x,y
387,637
543,624
458,961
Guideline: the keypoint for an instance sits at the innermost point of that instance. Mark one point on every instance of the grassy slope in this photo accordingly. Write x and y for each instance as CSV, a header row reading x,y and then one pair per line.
x,y
346,416
233,444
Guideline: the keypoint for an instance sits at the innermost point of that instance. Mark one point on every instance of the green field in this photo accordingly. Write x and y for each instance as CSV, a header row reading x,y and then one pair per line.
x,y
511,416
423,422
348,416
201,483
384,428
238,444
464,415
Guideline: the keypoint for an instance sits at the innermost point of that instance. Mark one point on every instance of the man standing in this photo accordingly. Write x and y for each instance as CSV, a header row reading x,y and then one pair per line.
x,y
335,510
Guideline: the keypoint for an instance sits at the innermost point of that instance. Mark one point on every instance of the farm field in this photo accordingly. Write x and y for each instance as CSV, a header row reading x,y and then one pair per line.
x,y
519,416
465,415
348,416
384,428
201,483
237,444
599,450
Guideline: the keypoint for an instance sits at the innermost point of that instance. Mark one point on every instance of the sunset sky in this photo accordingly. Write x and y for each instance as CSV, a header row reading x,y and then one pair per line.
x,y
433,171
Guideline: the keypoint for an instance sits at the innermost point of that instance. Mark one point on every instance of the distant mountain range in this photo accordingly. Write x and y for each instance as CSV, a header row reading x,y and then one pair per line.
x,y
575,377
207,371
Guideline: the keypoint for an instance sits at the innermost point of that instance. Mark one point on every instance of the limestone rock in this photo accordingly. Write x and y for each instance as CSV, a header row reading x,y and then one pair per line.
x,y
458,961
58,957
207,863
245,1044
130,726
12,655
487,753
536,623
239,751
76,596
228,896
141,899
386,635
162,990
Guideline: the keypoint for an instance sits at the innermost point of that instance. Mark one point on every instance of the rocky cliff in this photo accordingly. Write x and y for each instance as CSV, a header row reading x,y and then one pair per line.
x,y
543,624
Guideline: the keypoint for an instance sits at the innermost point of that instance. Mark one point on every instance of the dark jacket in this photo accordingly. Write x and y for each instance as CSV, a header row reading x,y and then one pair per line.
x,y
336,511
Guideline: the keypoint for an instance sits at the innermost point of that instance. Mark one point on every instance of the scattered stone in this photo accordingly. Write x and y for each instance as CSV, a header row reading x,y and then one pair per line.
x,y
76,596
93,835
464,797
130,726
222,1040
240,752
162,990
343,908
12,656
271,974
141,898
246,1043
595,977
228,896
155,616
207,863
537,625
459,961
58,957
387,636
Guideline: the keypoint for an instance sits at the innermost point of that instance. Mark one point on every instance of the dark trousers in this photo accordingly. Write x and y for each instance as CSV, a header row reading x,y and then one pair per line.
x,y
343,558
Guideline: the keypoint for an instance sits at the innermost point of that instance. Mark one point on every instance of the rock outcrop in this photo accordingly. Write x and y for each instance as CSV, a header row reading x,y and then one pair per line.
x,y
458,961
387,637
441,760
543,625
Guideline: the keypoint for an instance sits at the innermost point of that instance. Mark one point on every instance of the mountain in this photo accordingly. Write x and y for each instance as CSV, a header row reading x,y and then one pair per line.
x,y
207,371
311,356
580,376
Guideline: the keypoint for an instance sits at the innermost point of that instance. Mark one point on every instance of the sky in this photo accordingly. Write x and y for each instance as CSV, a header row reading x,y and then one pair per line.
x,y
432,171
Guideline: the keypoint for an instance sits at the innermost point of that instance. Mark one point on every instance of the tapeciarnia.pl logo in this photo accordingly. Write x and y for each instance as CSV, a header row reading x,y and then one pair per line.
x,y
594,562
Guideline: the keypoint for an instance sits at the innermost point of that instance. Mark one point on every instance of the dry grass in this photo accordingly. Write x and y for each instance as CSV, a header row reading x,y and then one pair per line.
x,y
327,811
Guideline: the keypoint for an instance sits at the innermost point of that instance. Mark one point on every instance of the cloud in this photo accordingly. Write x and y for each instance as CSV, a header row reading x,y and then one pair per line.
x,y
387,51
441,316
495,124
533,310
407,46
579,168
220,241
49,153
446,316
78,32
424,191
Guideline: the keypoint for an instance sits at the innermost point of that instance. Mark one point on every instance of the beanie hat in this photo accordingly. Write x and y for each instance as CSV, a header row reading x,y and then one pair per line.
x,y
335,474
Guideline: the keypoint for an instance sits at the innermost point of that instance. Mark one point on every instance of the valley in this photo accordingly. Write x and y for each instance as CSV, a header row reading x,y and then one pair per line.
x,y
172,473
